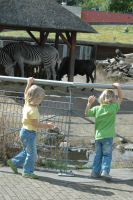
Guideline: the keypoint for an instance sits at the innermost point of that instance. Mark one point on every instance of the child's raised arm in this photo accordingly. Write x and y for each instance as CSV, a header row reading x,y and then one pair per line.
x,y
91,100
29,82
117,86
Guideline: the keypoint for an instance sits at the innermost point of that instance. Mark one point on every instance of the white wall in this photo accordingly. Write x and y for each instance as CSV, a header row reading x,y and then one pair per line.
x,y
74,9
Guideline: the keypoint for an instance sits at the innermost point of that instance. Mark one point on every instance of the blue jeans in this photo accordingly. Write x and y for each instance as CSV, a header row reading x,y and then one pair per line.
x,y
28,155
103,155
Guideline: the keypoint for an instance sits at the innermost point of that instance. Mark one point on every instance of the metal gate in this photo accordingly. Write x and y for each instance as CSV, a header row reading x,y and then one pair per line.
x,y
69,144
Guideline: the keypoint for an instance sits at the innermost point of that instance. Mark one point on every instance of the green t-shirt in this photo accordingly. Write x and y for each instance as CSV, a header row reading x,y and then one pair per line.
x,y
105,115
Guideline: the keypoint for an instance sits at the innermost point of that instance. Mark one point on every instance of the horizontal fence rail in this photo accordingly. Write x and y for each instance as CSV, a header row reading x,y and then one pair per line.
x,y
70,144
65,84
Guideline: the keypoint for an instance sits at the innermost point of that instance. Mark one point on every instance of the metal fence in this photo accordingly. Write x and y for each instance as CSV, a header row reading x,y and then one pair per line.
x,y
70,144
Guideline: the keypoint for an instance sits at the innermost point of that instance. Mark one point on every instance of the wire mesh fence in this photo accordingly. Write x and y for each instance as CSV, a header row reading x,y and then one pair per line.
x,y
51,151
70,144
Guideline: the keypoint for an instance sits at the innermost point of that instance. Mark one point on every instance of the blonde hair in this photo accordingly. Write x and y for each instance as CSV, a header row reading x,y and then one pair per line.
x,y
35,95
107,97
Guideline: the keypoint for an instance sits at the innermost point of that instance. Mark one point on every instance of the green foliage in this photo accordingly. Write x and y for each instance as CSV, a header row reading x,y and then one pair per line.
x,y
88,4
69,2
85,4
120,5
104,5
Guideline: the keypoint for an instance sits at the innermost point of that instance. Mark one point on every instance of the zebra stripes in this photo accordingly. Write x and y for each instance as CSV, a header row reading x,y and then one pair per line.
x,y
25,53
6,63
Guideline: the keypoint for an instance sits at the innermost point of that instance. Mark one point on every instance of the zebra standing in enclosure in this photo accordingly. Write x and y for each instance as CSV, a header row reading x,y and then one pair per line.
x,y
6,64
25,53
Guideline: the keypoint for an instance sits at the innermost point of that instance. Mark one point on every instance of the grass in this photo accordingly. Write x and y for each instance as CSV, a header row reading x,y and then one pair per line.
x,y
109,33
106,33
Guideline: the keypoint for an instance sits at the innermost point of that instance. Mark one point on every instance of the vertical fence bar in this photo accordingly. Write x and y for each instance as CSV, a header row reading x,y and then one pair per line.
x,y
66,173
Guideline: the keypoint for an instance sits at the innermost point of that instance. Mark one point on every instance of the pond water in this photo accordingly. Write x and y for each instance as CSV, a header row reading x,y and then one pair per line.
x,y
119,159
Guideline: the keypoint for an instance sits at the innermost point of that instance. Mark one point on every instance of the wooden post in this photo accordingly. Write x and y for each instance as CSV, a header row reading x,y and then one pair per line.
x,y
57,40
1,29
32,36
72,57
65,40
43,37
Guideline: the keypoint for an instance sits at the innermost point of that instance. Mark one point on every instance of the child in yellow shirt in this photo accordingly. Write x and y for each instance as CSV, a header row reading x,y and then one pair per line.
x,y
33,97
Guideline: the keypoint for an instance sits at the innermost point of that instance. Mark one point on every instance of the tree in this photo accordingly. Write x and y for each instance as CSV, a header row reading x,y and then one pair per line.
x,y
98,4
104,5
69,2
120,5
85,4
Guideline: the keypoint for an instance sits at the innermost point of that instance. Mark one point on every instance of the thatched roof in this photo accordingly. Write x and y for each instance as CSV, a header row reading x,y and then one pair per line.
x,y
45,15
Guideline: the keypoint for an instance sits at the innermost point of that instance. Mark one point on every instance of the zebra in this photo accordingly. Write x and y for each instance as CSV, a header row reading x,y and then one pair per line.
x,y
25,53
7,63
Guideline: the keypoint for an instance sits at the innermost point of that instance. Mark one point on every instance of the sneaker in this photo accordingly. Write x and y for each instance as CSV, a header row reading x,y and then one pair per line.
x,y
95,175
106,175
14,169
27,175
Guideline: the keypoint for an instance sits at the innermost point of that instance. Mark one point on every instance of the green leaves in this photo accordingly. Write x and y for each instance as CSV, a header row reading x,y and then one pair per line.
x,y
104,5
121,5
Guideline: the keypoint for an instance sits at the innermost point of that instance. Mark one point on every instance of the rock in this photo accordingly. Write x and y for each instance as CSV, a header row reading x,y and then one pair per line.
x,y
115,67
130,71
64,145
119,67
92,142
78,156
55,137
54,130
123,140
129,147
120,148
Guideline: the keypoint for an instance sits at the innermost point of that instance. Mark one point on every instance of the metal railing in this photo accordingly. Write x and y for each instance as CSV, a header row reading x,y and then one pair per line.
x,y
71,143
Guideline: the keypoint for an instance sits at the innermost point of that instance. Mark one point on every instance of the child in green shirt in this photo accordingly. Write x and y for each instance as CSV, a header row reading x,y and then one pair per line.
x,y
105,115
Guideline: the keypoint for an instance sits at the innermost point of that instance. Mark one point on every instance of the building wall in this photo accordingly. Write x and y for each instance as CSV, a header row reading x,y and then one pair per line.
x,y
83,52
106,17
74,9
